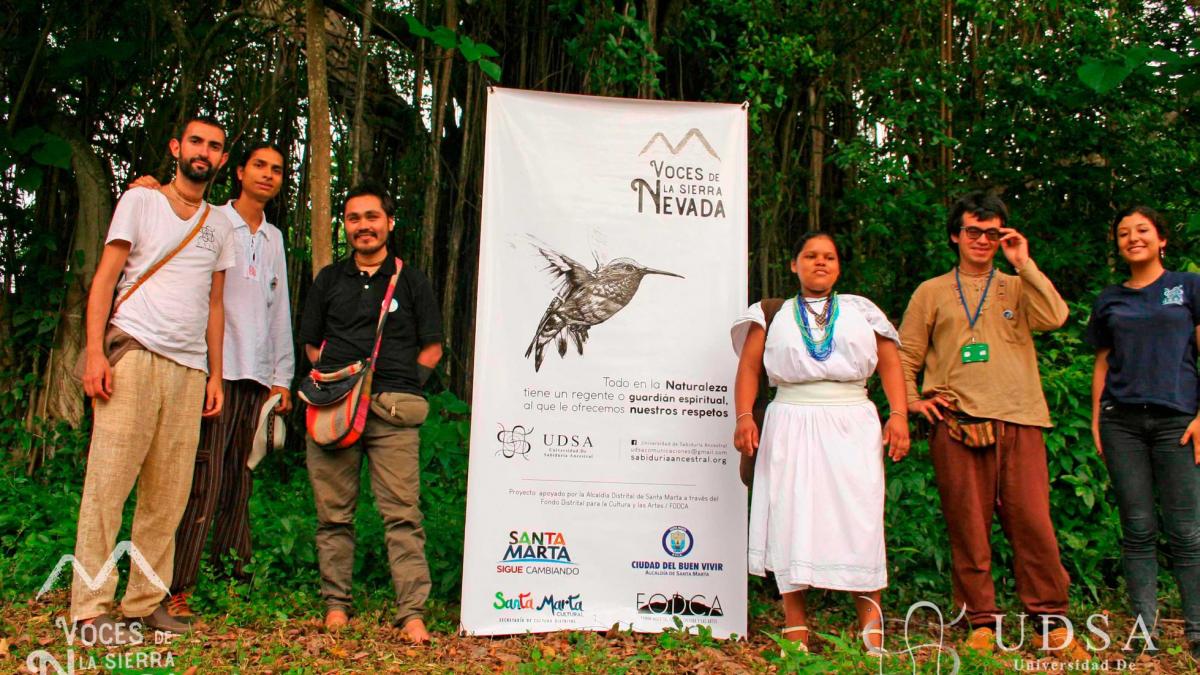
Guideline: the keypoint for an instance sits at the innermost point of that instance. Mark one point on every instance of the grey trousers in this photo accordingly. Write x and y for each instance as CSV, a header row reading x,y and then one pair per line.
x,y
391,444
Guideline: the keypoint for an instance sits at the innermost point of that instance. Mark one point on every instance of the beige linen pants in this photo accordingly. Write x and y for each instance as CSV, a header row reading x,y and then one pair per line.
x,y
146,432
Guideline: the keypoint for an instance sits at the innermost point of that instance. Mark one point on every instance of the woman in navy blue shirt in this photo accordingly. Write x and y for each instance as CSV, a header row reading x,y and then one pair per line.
x,y
1144,414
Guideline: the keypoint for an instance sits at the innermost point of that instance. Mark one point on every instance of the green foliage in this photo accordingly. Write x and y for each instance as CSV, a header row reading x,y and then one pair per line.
x,y
444,438
38,524
615,50
33,150
472,51
687,638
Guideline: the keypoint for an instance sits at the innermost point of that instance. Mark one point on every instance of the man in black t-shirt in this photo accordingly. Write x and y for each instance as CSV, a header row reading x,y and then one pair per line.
x,y
338,328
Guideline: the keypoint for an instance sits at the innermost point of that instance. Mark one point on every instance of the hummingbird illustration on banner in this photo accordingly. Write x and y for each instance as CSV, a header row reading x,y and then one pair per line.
x,y
585,298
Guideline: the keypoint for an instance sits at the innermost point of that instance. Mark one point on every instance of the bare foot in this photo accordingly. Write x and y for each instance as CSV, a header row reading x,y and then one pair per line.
x,y
414,631
335,620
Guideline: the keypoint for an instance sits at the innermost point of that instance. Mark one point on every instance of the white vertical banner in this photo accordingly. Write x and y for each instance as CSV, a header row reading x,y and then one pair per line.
x,y
603,485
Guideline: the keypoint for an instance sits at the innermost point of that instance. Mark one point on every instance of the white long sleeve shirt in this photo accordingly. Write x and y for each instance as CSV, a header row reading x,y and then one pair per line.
x,y
258,321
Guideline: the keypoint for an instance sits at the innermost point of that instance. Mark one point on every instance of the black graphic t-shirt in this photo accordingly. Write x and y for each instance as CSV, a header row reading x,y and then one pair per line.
x,y
1152,334
342,311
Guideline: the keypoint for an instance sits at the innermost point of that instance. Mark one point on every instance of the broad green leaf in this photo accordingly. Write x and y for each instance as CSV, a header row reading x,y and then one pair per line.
x,y
487,51
26,138
490,68
1139,55
469,49
29,179
1188,85
54,151
416,27
444,37
1194,223
1103,76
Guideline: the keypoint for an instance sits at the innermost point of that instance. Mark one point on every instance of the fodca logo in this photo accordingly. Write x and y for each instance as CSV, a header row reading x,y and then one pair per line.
x,y
678,605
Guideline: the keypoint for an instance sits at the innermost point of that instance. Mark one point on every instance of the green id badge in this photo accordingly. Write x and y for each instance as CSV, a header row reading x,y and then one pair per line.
x,y
976,352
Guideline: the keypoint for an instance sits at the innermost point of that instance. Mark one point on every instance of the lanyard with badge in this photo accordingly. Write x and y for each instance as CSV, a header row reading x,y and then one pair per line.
x,y
974,352
252,257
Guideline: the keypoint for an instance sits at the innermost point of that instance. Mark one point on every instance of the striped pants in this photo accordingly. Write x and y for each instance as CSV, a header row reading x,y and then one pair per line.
x,y
220,486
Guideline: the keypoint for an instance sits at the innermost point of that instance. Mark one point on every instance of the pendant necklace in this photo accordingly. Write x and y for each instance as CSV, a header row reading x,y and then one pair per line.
x,y
827,319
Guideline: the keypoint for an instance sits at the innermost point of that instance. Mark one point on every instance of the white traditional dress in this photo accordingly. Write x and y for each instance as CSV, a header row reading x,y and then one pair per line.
x,y
816,514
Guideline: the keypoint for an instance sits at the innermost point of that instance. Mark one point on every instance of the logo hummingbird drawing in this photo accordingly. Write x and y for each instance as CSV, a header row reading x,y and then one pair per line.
x,y
585,298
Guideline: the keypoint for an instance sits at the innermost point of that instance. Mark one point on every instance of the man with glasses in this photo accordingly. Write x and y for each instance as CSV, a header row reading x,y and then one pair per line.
x,y
970,331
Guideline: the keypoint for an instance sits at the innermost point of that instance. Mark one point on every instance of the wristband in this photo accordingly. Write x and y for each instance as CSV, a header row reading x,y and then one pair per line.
x,y
897,412
735,420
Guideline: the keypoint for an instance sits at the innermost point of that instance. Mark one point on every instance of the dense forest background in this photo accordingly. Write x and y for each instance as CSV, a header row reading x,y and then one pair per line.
x,y
867,117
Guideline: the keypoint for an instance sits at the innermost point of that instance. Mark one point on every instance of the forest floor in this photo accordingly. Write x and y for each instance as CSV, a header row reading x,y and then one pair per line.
x,y
253,642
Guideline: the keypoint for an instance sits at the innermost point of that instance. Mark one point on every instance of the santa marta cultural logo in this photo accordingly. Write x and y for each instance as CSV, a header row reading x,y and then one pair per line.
x,y
681,187
513,443
572,605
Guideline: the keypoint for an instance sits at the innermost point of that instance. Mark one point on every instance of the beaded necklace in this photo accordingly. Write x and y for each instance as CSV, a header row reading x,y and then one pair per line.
x,y
823,348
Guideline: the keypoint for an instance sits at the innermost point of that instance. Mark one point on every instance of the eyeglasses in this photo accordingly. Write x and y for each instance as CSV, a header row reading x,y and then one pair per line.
x,y
974,233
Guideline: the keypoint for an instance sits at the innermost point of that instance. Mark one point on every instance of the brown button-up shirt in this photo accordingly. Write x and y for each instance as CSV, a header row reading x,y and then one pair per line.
x,y
935,328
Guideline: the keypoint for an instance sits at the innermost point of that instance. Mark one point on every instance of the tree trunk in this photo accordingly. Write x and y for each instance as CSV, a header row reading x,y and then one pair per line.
x,y
319,137
60,396
358,131
433,179
419,74
816,165
646,86
945,114
471,106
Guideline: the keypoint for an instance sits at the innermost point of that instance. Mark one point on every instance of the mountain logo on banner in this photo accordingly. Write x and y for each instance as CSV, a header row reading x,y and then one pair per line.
x,y
675,149
584,299
681,184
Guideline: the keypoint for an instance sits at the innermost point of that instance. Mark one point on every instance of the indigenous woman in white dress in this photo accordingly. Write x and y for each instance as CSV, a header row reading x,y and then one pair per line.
x,y
816,513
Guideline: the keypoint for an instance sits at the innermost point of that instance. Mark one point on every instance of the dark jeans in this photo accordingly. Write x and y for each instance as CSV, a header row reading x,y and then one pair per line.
x,y
1142,450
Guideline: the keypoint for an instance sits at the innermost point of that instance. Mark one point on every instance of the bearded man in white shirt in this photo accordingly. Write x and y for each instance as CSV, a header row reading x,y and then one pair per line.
x,y
152,367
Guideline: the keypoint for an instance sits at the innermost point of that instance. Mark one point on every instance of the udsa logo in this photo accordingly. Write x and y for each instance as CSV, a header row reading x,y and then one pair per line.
x,y
566,441
678,604
677,541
